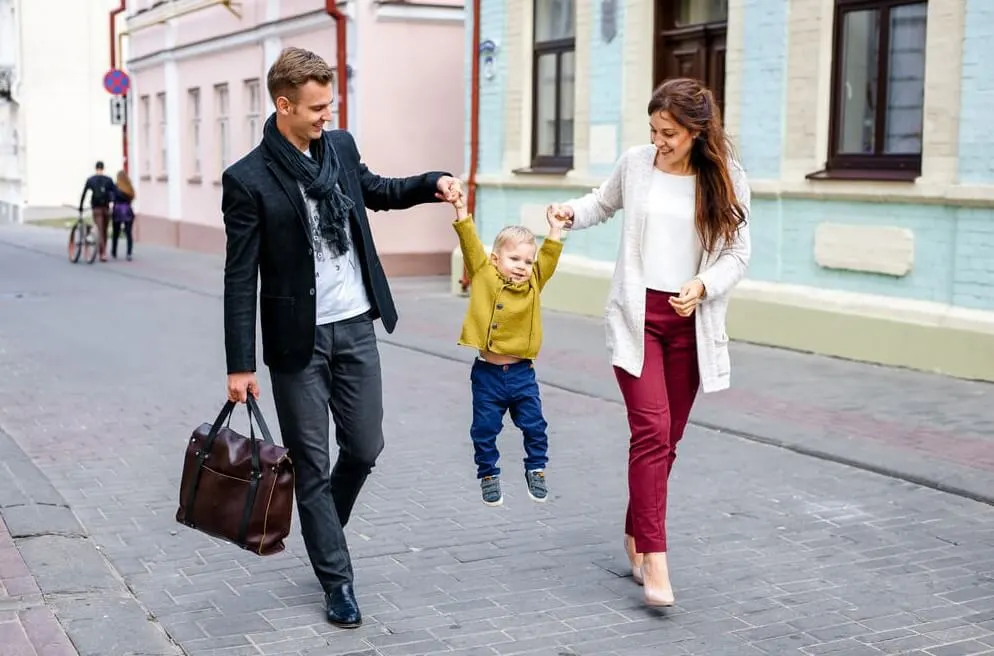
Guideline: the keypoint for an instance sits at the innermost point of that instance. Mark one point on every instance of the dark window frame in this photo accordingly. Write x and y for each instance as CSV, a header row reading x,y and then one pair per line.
x,y
556,163
878,165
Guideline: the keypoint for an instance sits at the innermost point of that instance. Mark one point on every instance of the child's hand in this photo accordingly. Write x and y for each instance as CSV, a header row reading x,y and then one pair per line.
x,y
559,217
456,196
458,199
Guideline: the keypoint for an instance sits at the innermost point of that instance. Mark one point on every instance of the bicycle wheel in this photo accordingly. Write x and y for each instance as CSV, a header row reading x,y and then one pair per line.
x,y
76,239
90,244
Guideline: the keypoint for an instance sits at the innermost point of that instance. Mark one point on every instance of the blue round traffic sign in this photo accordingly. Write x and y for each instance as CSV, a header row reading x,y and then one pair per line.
x,y
117,82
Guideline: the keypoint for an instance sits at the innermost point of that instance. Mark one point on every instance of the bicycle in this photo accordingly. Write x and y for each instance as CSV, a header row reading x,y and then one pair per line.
x,y
82,240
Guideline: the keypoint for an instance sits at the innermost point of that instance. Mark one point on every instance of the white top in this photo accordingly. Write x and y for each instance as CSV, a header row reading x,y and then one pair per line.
x,y
338,284
671,248
627,188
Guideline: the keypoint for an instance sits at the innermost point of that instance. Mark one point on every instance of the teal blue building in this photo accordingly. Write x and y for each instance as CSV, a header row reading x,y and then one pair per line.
x,y
866,129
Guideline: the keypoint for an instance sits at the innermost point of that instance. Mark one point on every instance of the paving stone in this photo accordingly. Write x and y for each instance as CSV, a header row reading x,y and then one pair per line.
x,y
965,648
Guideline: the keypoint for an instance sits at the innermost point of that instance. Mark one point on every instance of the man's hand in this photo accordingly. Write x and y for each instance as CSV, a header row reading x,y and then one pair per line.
x,y
690,296
241,384
448,189
561,214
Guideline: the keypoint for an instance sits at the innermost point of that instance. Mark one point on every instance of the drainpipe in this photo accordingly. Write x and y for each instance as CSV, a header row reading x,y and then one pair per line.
x,y
113,64
474,127
342,65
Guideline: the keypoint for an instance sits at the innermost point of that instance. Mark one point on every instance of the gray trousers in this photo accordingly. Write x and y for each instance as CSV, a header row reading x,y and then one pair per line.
x,y
343,376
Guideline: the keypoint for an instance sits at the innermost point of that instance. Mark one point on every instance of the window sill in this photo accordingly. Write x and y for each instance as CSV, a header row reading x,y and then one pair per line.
x,y
145,178
162,178
543,170
216,183
195,180
866,175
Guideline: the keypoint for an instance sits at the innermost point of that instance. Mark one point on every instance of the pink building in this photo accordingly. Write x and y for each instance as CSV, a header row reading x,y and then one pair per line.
x,y
199,100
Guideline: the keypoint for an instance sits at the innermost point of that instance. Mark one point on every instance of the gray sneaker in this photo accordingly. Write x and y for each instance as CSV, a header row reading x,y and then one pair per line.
x,y
536,485
490,486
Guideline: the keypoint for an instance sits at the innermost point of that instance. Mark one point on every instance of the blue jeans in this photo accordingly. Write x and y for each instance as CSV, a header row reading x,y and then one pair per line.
x,y
496,390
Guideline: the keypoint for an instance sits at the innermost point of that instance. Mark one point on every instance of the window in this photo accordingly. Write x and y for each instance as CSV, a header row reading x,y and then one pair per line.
x,y
698,12
253,117
878,89
145,137
193,101
553,77
160,101
221,105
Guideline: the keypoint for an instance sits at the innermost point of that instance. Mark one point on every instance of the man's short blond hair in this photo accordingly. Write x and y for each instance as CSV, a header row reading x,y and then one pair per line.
x,y
512,236
294,68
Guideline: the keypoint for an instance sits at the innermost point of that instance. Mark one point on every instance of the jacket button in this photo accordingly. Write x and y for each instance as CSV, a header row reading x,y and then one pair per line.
x,y
500,306
493,325
311,292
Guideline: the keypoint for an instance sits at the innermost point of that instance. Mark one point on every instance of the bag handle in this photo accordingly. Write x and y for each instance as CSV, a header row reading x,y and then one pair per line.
x,y
254,412
225,415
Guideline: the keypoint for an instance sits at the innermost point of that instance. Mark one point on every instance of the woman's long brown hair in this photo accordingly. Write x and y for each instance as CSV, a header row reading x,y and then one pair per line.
x,y
718,212
124,184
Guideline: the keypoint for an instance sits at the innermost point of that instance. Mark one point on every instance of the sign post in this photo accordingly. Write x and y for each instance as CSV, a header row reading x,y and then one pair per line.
x,y
117,83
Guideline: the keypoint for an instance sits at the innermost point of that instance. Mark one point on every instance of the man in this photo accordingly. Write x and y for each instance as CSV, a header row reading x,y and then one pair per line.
x,y
101,189
294,215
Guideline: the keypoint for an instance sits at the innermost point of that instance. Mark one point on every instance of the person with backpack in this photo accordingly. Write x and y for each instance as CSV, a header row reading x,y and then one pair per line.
x,y
123,215
102,190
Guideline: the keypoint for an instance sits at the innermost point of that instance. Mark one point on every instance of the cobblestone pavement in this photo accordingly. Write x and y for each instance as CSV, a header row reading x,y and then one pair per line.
x,y
105,370
27,625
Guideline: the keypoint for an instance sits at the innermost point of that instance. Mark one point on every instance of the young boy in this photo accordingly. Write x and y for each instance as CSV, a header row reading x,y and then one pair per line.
x,y
504,323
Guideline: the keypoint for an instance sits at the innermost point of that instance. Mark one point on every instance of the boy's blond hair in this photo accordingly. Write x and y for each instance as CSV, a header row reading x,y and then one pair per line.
x,y
514,234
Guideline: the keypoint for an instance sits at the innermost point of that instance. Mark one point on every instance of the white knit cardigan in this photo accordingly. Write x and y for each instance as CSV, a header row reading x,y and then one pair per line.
x,y
628,188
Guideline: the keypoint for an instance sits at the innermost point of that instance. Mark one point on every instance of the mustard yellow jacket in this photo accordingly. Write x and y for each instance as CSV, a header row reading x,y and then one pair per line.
x,y
503,317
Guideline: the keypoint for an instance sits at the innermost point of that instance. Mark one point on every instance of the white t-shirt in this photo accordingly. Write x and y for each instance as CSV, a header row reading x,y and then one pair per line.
x,y
671,247
340,292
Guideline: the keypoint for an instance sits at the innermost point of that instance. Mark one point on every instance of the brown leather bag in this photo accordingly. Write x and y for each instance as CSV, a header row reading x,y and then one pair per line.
x,y
237,488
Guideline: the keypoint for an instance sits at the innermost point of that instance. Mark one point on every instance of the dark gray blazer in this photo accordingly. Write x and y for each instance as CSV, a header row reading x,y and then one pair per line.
x,y
269,237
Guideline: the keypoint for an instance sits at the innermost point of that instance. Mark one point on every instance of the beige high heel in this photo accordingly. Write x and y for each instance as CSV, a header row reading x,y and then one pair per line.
x,y
633,558
656,580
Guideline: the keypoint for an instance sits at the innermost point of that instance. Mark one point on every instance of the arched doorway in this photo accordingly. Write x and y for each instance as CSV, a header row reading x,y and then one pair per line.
x,y
690,42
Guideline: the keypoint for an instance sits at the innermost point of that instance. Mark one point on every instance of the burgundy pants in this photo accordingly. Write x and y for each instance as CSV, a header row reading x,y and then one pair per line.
x,y
658,404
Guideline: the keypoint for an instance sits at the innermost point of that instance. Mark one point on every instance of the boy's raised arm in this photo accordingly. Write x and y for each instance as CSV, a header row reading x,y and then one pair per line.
x,y
473,254
552,248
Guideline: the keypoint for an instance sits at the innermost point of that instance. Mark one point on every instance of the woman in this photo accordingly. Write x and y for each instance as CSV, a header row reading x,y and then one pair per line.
x,y
123,215
684,246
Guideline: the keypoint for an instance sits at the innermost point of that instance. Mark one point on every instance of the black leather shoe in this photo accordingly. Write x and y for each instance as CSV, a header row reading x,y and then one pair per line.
x,y
343,611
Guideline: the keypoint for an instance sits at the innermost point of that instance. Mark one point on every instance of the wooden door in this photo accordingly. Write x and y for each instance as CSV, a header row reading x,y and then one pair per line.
x,y
690,42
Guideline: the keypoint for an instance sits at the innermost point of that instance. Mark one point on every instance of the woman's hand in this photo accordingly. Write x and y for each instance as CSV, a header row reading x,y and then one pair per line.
x,y
690,296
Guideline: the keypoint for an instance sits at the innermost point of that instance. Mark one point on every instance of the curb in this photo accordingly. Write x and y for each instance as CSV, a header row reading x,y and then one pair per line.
x,y
90,600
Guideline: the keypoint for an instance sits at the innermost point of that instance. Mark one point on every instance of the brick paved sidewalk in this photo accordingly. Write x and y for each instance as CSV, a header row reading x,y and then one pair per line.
x,y
27,626
926,428
106,369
